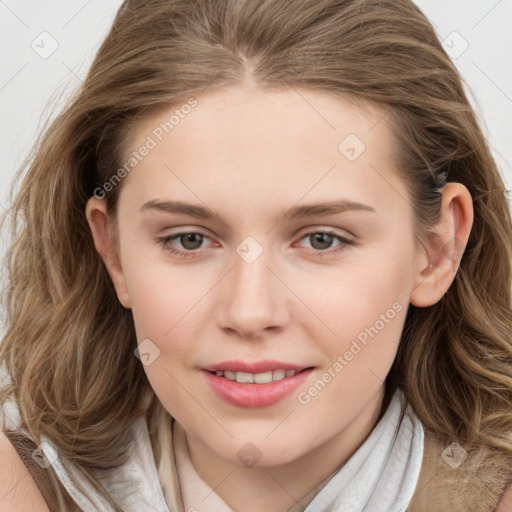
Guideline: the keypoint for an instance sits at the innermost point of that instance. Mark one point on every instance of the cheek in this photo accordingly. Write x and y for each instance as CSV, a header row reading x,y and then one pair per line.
x,y
167,316
353,299
363,313
358,361
162,296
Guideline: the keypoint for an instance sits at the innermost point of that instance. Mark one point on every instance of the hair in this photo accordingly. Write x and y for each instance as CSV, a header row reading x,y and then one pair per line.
x,y
69,343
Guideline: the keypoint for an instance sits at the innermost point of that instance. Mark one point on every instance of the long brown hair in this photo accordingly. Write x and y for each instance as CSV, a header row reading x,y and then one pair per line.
x,y
69,345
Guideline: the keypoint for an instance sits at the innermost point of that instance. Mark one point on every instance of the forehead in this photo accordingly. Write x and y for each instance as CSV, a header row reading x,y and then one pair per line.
x,y
265,146
244,118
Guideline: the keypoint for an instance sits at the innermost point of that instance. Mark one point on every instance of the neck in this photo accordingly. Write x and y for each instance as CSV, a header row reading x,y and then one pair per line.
x,y
281,487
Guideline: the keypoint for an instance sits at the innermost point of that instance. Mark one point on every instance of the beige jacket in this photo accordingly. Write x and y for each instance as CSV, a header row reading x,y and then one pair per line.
x,y
477,485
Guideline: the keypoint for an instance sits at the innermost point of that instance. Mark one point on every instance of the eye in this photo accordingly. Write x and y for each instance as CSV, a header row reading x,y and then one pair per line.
x,y
322,240
190,242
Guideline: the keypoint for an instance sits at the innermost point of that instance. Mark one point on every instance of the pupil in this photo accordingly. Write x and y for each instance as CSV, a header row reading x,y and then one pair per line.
x,y
324,240
191,240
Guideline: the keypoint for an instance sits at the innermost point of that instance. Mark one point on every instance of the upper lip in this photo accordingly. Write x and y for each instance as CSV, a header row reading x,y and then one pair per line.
x,y
254,367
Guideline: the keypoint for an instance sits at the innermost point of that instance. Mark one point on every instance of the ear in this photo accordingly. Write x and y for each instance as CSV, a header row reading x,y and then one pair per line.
x,y
105,241
438,260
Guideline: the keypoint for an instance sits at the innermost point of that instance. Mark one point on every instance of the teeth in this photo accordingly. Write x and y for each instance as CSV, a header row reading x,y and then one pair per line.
x,y
278,374
256,378
244,377
263,378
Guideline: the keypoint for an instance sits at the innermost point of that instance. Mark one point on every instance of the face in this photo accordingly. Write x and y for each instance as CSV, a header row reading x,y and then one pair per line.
x,y
290,254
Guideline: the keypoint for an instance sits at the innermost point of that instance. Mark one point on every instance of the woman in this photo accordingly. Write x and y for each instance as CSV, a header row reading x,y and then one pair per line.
x,y
264,264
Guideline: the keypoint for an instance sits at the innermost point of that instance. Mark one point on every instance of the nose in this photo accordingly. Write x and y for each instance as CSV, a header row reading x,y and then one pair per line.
x,y
254,301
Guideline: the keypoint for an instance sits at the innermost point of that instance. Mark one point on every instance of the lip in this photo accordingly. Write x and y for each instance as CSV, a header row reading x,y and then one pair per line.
x,y
254,396
254,367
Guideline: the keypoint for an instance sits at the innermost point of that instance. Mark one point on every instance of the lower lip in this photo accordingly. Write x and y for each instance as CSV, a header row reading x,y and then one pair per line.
x,y
255,395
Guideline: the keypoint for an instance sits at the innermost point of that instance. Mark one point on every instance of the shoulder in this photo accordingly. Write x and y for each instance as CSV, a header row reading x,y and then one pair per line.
x,y
505,504
18,490
453,480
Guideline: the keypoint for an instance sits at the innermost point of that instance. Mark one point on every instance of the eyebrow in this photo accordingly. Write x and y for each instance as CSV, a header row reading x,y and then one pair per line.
x,y
295,212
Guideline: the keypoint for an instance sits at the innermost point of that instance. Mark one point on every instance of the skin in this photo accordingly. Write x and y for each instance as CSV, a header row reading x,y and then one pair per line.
x,y
249,156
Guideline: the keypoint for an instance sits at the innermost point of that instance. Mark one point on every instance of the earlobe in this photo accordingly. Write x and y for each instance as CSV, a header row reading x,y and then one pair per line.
x,y
105,243
439,261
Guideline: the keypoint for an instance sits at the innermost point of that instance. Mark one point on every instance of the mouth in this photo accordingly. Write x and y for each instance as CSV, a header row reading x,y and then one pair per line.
x,y
258,378
252,385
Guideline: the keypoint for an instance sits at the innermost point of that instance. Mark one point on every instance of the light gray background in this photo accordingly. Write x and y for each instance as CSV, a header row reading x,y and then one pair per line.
x,y
47,46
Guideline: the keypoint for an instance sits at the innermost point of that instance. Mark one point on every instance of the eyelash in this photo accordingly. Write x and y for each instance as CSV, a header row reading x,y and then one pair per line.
x,y
164,242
